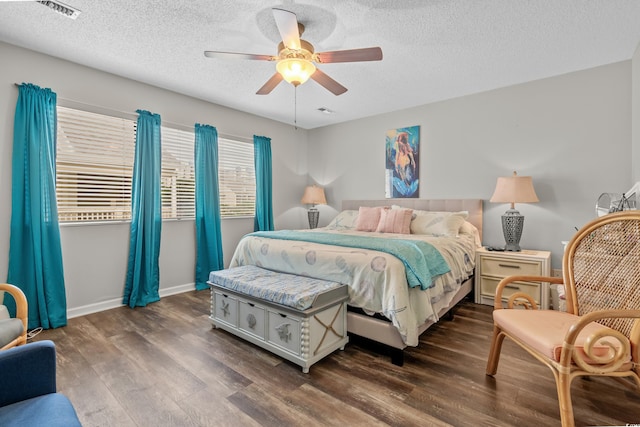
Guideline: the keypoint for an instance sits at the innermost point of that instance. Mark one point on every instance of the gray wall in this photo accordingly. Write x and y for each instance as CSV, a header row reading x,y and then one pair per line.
x,y
95,256
571,133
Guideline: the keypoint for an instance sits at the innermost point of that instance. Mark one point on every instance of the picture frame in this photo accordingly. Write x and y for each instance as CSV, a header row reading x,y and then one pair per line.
x,y
402,167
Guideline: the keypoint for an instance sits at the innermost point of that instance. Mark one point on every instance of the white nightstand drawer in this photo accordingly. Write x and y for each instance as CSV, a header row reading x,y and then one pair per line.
x,y
488,287
506,267
492,267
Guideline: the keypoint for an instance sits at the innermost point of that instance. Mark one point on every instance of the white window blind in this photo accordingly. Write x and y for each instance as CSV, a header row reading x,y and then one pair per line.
x,y
94,168
178,179
94,165
237,178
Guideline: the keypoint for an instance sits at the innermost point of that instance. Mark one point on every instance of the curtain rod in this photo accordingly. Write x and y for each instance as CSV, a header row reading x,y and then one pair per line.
x,y
134,116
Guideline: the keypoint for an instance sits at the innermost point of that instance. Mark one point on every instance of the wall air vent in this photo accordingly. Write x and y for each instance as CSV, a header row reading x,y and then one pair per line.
x,y
61,8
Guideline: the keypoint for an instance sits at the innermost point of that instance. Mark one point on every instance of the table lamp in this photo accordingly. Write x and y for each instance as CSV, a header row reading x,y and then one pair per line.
x,y
313,195
513,189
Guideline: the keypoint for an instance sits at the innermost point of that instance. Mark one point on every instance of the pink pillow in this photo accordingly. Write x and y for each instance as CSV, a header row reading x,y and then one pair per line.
x,y
368,218
395,221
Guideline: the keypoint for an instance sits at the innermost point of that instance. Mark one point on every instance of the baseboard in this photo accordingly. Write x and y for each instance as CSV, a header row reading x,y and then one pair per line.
x,y
117,302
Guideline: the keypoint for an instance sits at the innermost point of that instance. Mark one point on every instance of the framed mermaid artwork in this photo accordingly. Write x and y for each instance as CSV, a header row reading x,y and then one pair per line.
x,y
402,170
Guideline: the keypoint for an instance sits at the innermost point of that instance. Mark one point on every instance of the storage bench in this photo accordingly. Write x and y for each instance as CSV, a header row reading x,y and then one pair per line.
x,y
301,319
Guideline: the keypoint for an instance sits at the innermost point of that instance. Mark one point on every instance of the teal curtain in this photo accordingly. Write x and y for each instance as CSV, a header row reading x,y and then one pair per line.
x,y
143,272
208,231
263,220
35,253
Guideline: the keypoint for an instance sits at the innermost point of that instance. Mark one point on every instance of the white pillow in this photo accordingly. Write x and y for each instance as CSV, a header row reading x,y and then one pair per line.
x,y
345,220
395,207
468,228
438,223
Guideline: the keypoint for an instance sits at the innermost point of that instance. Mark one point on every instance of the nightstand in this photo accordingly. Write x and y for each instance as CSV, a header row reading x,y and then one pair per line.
x,y
493,266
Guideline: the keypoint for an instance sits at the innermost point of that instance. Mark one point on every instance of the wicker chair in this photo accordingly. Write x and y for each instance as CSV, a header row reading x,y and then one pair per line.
x,y
13,331
600,332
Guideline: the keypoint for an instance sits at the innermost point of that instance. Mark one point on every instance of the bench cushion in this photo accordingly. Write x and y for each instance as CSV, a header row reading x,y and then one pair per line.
x,y
294,291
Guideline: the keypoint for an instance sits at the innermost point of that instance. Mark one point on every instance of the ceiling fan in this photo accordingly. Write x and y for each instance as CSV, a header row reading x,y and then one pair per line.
x,y
296,57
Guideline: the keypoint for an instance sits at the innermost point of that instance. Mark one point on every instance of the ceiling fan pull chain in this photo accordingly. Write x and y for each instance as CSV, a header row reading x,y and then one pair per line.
x,y
295,107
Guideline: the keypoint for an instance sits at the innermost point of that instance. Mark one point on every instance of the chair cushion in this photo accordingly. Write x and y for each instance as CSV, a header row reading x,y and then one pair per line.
x,y
4,312
51,410
10,329
545,330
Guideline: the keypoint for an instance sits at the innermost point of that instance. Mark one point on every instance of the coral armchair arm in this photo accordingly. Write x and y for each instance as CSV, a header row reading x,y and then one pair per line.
x,y
520,298
593,358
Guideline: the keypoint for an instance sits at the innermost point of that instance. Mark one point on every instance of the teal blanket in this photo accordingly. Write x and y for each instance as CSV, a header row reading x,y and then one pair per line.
x,y
422,261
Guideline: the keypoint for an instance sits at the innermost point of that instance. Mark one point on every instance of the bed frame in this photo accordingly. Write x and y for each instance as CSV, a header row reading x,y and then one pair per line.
x,y
382,331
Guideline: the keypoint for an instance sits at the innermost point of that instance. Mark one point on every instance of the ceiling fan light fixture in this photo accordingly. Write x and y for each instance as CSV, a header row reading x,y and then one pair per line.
x,y
296,58
295,70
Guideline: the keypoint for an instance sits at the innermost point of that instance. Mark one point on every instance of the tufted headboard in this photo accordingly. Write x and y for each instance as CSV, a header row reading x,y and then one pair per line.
x,y
473,206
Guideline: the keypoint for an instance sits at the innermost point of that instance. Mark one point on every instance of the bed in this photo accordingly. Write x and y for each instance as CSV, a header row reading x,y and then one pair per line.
x,y
394,296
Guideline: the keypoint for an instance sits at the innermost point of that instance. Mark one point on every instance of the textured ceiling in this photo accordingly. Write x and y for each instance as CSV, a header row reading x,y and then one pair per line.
x,y
433,49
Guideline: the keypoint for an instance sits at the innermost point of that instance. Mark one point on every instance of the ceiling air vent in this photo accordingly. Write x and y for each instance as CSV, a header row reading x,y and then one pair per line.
x,y
61,8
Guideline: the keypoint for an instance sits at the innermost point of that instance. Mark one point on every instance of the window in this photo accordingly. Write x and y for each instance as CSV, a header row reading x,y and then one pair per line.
x,y
237,178
95,156
178,178
94,166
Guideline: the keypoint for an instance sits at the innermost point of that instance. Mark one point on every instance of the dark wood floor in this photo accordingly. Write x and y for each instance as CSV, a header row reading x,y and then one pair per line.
x,y
163,365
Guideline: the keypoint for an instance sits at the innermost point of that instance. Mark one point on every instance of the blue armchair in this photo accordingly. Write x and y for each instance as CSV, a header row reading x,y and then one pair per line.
x,y
28,388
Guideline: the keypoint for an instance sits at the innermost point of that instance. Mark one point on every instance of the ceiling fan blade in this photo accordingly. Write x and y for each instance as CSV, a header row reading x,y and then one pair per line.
x,y
270,84
236,55
328,83
288,26
351,55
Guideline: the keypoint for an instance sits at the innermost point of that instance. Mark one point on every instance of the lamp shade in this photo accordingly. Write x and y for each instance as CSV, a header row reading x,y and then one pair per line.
x,y
313,195
514,189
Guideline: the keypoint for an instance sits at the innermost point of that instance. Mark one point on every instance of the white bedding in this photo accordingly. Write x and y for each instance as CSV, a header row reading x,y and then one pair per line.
x,y
377,281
